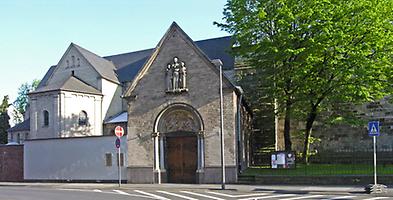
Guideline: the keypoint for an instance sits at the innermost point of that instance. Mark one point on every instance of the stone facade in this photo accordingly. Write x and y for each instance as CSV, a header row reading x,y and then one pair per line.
x,y
64,109
149,99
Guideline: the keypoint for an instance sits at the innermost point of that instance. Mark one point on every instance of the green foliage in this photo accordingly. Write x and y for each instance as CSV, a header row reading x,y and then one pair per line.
x,y
320,170
262,108
315,52
22,100
4,120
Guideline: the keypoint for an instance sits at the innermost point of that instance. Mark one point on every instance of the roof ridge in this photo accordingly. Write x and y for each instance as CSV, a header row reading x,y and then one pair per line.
x,y
138,51
141,50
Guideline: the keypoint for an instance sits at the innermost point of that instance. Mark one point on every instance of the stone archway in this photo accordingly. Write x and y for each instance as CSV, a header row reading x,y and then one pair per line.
x,y
178,144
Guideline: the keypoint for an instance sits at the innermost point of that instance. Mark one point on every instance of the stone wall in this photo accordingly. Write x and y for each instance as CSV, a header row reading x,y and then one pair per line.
x,y
344,137
11,163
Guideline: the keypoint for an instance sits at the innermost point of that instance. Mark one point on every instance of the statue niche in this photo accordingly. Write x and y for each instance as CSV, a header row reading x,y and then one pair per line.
x,y
176,76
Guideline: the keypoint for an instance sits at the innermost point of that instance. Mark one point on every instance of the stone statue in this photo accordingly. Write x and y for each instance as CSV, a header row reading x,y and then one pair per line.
x,y
175,76
183,75
176,69
168,77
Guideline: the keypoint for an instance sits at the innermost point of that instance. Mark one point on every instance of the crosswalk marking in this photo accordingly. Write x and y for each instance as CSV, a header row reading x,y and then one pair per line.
x,y
121,192
72,189
134,195
176,195
201,195
303,197
238,196
341,197
195,195
376,198
151,195
268,197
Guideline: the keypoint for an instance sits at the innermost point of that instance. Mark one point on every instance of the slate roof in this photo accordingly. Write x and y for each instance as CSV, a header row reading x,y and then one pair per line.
x,y
128,64
124,67
119,118
23,126
104,67
46,77
72,84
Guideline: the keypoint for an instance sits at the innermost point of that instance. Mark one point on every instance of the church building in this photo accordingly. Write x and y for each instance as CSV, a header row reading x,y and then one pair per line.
x,y
167,100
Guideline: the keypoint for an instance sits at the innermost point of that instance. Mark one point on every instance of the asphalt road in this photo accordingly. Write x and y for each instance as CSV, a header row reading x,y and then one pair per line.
x,y
174,192
29,193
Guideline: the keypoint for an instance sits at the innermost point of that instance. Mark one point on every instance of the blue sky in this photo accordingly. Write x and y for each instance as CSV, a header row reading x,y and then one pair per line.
x,y
35,34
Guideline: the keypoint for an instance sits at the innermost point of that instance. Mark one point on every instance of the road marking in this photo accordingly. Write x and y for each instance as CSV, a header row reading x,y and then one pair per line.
x,y
133,195
79,190
376,198
268,197
176,195
151,195
97,190
303,197
342,197
238,196
121,192
202,195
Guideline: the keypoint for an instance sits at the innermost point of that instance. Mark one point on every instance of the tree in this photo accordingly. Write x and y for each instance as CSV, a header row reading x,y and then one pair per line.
x,y
4,120
22,100
316,52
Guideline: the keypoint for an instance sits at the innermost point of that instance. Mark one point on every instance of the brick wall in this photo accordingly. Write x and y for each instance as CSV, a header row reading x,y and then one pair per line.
x,y
11,163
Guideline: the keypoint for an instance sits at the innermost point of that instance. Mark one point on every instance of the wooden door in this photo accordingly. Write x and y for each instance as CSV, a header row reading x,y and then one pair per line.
x,y
181,159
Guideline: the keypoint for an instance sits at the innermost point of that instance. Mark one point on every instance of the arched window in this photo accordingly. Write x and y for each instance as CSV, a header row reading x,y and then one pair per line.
x,y
73,61
46,118
82,118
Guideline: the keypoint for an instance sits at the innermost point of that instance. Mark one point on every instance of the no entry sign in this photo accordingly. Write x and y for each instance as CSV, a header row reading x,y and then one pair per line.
x,y
119,131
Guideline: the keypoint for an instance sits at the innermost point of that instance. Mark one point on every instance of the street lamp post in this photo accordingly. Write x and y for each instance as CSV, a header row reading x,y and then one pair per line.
x,y
222,130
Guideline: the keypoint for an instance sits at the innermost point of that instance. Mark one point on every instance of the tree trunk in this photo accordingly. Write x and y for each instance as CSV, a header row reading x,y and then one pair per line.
x,y
287,126
309,123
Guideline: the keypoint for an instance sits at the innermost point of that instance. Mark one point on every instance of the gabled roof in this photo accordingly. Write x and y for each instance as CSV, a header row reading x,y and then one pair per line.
x,y
72,84
128,64
23,126
124,67
173,28
104,67
47,76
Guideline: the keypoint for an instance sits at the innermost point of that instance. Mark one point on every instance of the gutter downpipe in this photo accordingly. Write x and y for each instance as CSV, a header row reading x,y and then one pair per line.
x,y
239,126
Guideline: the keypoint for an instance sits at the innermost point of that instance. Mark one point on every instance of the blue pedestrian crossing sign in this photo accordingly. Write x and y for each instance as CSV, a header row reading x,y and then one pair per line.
x,y
373,128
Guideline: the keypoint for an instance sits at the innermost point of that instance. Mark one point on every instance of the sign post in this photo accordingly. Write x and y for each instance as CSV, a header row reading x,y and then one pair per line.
x,y
119,132
373,131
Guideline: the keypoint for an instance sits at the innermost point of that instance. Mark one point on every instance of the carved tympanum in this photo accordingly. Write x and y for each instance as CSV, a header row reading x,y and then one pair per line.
x,y
179,120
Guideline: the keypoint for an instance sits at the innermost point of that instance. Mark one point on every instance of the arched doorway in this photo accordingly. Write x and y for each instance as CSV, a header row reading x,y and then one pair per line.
x,y
178,144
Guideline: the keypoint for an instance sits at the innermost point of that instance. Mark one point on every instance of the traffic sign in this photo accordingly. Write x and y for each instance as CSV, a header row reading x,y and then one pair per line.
x,y
373,128
119,131
117,143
